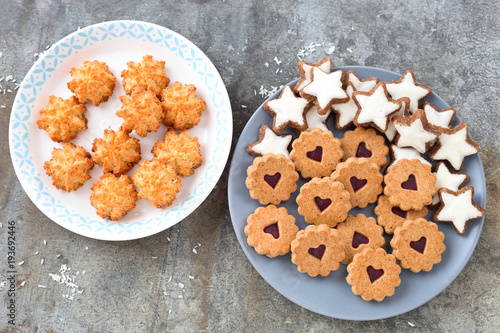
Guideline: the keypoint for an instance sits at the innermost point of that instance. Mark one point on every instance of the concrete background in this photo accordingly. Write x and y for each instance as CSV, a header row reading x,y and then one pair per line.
x,y
134,286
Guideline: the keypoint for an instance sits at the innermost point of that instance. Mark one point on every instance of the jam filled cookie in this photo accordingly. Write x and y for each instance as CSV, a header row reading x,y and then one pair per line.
x,y
407,86
373,274
270,142
418,245
271,179
323,201
364,142
317,250
390,217
92,82
360,232
316,153
288,110
361,178
409,184
458,208
271,230
113,196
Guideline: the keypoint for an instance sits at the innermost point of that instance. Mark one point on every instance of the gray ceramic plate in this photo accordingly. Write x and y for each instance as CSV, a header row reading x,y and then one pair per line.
x,y
331,296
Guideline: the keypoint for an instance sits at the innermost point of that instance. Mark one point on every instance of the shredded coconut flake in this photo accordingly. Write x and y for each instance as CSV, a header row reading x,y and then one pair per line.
x,y
41,286
411,324
21,262
68,280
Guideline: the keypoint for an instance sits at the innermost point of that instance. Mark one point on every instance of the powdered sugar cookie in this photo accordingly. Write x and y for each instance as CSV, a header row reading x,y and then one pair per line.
x,y
288,110
390,216
366,143
325,89
375,107
305,68
447,179
345,112
414,131
358,84
270,142
458,208
406,86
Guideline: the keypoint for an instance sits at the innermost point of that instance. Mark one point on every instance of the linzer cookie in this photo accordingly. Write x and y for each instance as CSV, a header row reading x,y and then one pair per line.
x,y
271,179
361,178
270,231
323,201
390,216
373,274
360,232
418,245
317,250
409,184
364,142
316,153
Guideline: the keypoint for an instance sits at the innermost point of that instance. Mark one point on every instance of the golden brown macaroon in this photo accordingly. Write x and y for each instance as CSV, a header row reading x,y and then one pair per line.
x,y
182,108
180,150
92,82
157,181
69,167
113,196
117,152
141,112
62,118
147,74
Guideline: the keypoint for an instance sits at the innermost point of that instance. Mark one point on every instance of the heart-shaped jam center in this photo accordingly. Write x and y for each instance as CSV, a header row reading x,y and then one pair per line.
x,y
357,183
363,151
317,252
359,239
316,154
322,203
399,212
273,230
374,274
410,184
419,245
272,180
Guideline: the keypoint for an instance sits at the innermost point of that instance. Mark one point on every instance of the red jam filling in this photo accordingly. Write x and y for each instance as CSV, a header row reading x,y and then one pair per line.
x,y
374,274
357,183
359,239
399,212
322,203
410,184
363,151
272,180
273,230
317,252
316,154
419,245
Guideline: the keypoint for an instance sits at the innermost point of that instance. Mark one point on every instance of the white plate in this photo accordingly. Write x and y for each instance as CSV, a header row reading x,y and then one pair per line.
x,y
331,295
116,43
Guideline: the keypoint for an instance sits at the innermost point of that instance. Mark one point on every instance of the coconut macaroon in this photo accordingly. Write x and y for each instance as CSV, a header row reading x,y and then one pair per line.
x,y
92,82
117,152
157,181
69,167
62,118
180,150
113,196
182,108
147,74
141,112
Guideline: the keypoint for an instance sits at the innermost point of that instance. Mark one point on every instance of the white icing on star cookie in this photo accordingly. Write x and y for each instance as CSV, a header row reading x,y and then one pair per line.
x,y
436,117
458,208
408,87
324,64
345,111
453,145
446,179
375,107
270,142
406,154
390,133
414,131
325,89
315,120
288,110
358,84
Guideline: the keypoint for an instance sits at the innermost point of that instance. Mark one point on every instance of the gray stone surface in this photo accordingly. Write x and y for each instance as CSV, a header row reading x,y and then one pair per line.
x,y
135,286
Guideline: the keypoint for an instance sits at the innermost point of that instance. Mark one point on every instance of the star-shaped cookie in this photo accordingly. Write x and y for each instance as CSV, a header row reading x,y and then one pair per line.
x,y
408,87
270,142
414,131
458,208
447,179
390,133
436,117
288,110
359,84
324,64
374,107
316,120
405,153
325,89
345,112
453,145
